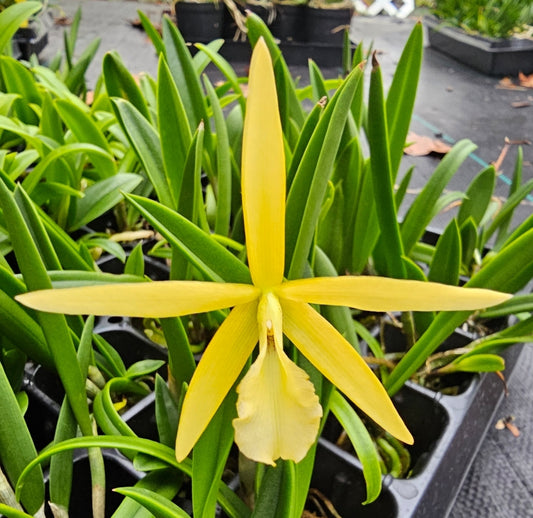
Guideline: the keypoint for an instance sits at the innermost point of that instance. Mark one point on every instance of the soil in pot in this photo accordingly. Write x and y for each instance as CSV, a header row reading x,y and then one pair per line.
x,y
327,25
199,21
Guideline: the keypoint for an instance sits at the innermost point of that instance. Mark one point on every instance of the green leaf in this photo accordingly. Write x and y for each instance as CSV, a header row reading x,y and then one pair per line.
x,y
143,368
52,83
420,212
446,262
507,209
231,503
16,446
469,239
213,260
274,499
48,165
187,81
478,196
226,69
54,326
503,224
18,327
339,316
305,136
476,363
310,182
12,18
402,95
361,441
75,78
61,467
223,164
10,512
152,32
508,271
145,140
366,226
382,176
19,80
174,129
210,455
165,481
104,410
518,304
85,130
103,196
157,504
166,413
120,83
135,261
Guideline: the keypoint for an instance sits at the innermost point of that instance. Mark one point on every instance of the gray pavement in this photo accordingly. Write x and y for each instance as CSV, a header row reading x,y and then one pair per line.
x,y
453,101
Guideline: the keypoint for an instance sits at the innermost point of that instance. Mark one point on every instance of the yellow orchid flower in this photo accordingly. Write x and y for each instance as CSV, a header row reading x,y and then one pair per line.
x,y
278,411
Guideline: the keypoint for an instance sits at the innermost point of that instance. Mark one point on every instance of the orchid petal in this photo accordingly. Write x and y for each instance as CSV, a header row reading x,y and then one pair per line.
x,y
384,294
142,299
221,364
263,174
279,412
336,359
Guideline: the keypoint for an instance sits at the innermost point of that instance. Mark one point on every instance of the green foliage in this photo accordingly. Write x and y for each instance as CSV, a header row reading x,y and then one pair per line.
x,y
493,18
164,155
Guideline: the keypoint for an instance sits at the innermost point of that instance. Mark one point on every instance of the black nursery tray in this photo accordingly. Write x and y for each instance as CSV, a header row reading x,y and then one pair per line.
x,y
448,432
490,56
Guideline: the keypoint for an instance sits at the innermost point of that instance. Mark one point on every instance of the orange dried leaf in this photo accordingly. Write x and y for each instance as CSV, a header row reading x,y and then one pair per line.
x,y
418,145
526,81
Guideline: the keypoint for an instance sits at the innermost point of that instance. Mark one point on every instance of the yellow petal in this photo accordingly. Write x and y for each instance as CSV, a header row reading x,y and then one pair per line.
x,y
334,357
142,299
221,364
279,412
263,174
384,294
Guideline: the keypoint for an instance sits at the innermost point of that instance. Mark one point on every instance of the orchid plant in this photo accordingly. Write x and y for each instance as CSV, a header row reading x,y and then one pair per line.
x,y
278,410
307,241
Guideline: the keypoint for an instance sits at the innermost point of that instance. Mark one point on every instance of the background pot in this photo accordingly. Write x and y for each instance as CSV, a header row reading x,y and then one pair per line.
x,y
327,25
289,24
199,21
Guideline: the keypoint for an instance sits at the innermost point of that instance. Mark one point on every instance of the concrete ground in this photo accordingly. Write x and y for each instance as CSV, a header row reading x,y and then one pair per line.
x,y
454,102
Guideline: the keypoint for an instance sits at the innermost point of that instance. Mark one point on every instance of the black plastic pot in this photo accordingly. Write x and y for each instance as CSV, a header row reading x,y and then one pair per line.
x,y
28,41
497,57
289,24
199,22
327,25
266,13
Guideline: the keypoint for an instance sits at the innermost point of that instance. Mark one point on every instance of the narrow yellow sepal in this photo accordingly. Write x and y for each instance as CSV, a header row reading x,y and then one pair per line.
x,y
221,364
338,361
384,294
263,174
151,299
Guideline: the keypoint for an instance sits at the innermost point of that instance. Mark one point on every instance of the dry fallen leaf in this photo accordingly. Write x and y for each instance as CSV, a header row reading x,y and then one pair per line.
x,y
63,21
418,145
520,104
89,97
507,422
526,81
